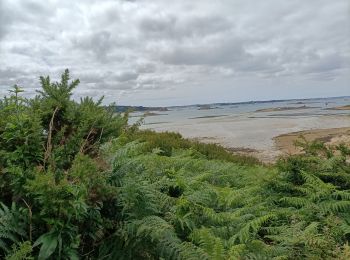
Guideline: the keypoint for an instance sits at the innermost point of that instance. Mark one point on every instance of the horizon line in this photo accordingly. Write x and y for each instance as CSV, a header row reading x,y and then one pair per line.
x,y
235,103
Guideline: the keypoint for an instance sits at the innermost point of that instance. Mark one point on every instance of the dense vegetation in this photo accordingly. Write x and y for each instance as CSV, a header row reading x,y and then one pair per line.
x,y
77,182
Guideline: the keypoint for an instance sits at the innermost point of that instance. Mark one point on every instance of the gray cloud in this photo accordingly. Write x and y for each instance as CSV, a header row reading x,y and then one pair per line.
x,y
4,19
216,52
126,76
170,27
152,52
99,43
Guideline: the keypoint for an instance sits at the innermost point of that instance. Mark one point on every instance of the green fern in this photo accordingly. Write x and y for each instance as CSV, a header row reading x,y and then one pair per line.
x,y
13,226
22,251
211,244
249,230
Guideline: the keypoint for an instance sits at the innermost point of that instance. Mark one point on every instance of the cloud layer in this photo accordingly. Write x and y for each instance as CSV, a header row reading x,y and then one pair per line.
x,y
179,52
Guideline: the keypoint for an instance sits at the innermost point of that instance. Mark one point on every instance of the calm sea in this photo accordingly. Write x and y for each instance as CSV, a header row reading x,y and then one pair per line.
x,y
308,107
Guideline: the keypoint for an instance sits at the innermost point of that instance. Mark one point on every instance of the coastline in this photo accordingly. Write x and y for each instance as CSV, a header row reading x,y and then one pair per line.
x,y
261,137
284,144
330,136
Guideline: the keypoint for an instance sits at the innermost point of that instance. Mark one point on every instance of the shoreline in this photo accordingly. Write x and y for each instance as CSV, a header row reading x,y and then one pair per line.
x,y
284,144
264,138
330,136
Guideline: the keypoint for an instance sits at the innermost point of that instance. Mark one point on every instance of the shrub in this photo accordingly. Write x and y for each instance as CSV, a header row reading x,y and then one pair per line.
x,y
168,141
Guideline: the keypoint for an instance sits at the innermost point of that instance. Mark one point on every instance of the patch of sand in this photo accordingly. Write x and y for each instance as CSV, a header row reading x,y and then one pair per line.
x,y
274,109
340,108
333,136
148,113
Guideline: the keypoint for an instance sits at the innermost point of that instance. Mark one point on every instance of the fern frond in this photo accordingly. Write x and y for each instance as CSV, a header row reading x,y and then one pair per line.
x,y
12,226
341,194
249,230
296,201
212,245
21,252
335,206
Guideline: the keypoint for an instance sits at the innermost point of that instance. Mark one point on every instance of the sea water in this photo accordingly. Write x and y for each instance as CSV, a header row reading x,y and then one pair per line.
x,y
188,114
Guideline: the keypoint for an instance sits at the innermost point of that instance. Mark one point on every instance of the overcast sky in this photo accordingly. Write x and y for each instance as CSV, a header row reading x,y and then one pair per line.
x,y
149,52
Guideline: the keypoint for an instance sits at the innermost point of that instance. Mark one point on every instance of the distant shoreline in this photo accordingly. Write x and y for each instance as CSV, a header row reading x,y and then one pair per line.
x,y
137,108
275,109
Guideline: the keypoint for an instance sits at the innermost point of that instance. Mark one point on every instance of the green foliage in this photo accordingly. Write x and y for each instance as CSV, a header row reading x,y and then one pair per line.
x,y
21,252
50,166
13,224
168,141
77,183
227,211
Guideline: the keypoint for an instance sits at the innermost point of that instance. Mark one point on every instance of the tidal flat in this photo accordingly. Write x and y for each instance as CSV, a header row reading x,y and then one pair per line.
x,y
252,129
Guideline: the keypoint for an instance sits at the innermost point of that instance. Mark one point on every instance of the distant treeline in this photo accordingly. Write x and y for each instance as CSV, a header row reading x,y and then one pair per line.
x,y
137,108
145,108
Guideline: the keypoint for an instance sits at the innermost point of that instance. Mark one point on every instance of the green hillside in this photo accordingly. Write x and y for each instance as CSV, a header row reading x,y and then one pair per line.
x,y
77,182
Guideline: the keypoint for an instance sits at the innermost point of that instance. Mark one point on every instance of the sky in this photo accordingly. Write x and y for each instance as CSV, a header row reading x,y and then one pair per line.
x,y
162,53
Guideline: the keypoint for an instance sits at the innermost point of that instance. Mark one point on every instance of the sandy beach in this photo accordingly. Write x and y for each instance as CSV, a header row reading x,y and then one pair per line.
x,y
347,107
330,136
266,136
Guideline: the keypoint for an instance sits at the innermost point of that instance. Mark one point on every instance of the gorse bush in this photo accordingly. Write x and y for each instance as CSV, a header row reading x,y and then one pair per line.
x,y
76,182
50,169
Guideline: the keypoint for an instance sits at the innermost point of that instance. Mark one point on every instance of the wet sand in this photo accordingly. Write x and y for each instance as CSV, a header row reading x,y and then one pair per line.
x,y
263,137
